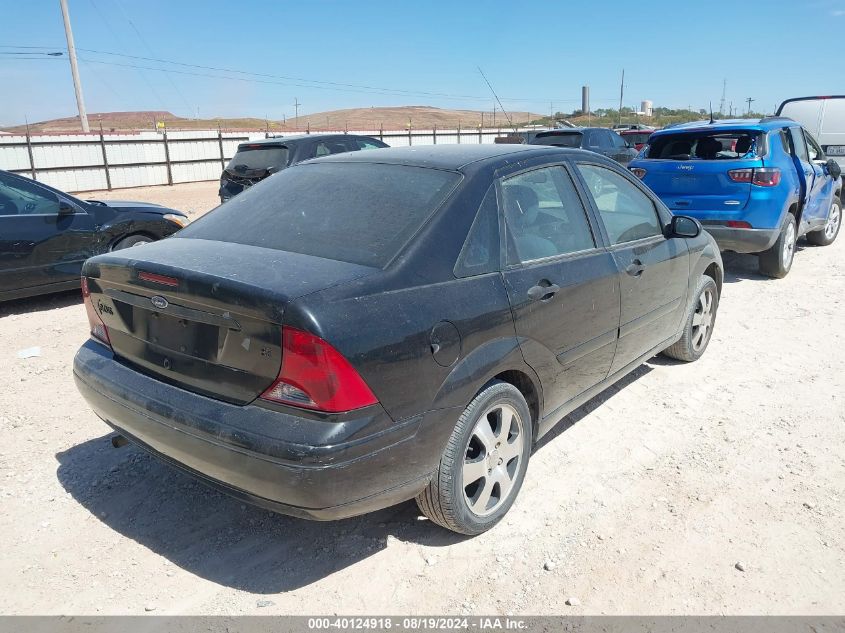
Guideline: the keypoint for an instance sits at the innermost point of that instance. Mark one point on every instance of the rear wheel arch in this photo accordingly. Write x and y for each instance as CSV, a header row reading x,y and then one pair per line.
x,y
527,387
716,274
120,238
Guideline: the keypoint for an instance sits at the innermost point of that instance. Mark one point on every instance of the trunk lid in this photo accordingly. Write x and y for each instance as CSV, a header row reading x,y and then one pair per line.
x,y
205,315
698,185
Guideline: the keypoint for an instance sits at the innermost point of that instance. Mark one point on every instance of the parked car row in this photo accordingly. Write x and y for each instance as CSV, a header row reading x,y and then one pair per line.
x,y
367,327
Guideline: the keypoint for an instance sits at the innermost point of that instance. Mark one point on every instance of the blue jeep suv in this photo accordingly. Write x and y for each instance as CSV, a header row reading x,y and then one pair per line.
x,y
755,185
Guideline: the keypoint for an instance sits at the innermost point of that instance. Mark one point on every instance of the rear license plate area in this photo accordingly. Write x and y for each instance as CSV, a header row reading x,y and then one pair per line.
x,y
180,335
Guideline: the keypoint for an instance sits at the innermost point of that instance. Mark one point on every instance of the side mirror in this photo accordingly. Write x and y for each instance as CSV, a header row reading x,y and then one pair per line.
x,y
833,168
66,208
684,226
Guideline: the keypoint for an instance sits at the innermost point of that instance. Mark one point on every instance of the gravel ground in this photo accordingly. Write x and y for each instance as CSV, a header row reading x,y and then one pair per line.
x,y
715,487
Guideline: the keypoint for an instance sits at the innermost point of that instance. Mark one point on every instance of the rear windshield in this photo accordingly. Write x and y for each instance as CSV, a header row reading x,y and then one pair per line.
x,y
361,213
249,157
639,137
706,145
558,139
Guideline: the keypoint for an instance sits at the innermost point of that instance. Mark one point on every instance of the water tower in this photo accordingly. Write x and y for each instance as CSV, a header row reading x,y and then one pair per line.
x,y
647,108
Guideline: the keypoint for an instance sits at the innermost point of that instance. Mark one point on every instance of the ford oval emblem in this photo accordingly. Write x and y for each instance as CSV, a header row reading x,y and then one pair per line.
x,y
159,302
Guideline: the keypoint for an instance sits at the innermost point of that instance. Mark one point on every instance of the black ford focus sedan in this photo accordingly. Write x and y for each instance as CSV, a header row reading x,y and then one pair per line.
x,y
372,327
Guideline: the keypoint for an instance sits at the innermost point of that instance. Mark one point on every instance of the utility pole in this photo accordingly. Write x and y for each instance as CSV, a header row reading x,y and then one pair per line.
x,y
621,95
748,101
494,114
722,103
74,70
296,105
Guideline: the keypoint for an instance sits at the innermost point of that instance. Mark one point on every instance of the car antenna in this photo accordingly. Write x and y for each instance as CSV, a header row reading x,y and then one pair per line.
x,y
712,121
497,98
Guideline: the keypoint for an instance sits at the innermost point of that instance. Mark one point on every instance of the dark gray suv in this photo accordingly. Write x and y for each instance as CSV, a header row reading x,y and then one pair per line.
x,y
256,160
595,139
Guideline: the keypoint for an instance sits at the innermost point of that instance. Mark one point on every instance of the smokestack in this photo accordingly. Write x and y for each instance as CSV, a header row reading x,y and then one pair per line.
x,y
585,99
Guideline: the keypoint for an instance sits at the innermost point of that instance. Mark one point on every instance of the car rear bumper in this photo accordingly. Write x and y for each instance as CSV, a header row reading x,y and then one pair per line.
x,y
313,468
742,240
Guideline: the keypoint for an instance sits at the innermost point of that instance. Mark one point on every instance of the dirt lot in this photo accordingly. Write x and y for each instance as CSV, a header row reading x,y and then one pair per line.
x,y
643,501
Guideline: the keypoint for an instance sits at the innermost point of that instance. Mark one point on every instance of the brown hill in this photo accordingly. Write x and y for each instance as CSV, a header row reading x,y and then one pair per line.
x,y
388,118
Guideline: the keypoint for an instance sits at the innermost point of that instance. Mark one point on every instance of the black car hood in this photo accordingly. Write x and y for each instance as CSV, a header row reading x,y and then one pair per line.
x,y
135,205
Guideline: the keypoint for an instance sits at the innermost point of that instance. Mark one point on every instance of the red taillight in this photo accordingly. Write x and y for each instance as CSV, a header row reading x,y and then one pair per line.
x,y
766,177
759,176
737,224
99,331
741,175
639,172
314,375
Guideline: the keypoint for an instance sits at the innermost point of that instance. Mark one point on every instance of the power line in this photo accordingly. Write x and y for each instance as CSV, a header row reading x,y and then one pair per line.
x,y
150,51
310,83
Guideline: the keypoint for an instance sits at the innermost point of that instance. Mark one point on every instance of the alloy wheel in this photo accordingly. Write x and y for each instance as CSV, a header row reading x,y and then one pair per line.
x,y
702,319
833,220
788,251
492,459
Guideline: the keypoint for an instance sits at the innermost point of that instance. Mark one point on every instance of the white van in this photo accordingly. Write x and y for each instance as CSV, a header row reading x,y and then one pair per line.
x,y
824,118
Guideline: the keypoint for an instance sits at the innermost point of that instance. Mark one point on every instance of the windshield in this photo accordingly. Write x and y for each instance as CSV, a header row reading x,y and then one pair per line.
x,y
360,213
250,157
706,145
558,139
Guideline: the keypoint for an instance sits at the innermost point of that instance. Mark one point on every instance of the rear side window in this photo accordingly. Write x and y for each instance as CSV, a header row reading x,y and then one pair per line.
x,y
325,148
707,145
365,144
799,145
544,215
480,253
354,212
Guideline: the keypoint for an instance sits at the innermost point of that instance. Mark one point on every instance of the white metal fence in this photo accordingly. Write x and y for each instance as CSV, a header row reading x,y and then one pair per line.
x,y
84,162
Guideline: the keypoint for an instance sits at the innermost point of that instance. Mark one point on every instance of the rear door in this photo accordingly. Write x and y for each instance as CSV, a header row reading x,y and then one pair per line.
x,y
653,270
561,282
821,192
806,169
39,245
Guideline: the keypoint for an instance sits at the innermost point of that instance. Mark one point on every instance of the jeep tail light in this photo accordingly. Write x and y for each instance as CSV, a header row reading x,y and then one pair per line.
x,y
99,331
314,375
760,176
639,172
766,177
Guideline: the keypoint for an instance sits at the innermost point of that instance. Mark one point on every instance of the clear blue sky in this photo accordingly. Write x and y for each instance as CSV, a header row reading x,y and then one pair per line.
x,y
674,52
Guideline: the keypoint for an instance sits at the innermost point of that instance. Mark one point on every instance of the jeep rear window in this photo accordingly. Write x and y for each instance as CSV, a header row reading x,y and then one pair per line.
x,y
362,213
707,145
250,157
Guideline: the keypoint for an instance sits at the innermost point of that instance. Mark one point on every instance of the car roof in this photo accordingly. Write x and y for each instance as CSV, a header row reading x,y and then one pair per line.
x,y
728,125
298,138
451,157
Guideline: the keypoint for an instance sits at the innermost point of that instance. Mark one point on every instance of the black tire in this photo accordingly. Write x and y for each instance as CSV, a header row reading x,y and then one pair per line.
x,y
827,234
774,262
132,240
688,348
443,500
